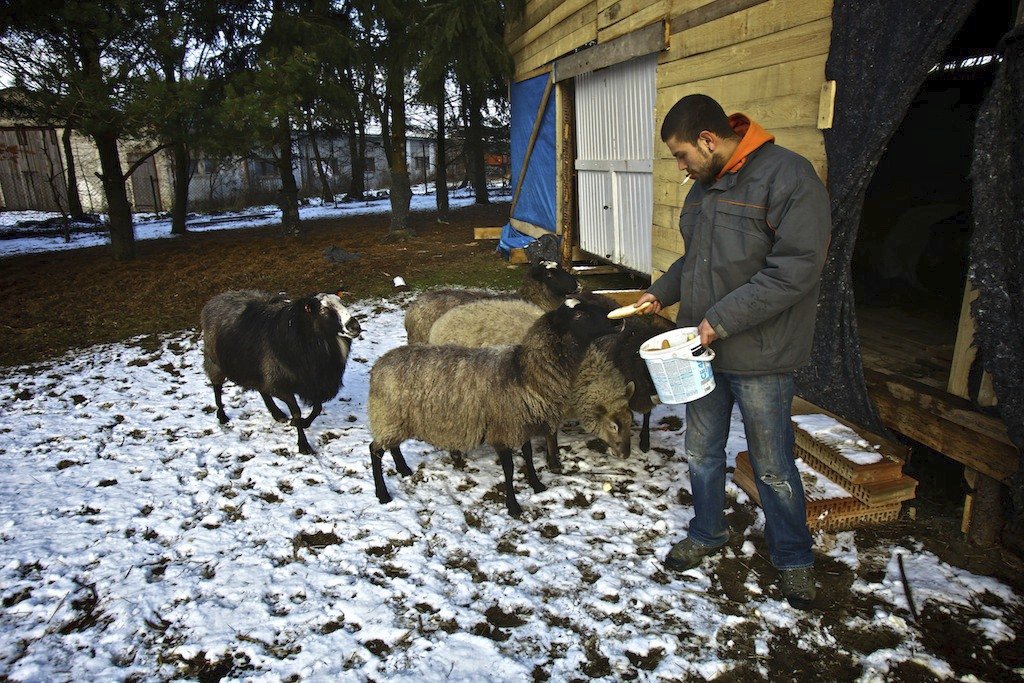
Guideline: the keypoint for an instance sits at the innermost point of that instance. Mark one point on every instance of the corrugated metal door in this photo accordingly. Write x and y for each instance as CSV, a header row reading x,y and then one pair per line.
x,y
615,161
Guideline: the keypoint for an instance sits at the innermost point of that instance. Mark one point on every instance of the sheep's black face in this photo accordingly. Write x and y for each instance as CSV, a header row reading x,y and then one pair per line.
x,y
586,319
555,279
335,318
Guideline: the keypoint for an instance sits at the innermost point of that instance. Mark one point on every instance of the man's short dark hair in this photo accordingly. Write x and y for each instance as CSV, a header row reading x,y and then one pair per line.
x,y
692,114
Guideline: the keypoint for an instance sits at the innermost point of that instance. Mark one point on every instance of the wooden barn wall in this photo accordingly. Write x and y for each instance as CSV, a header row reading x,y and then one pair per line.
x,y
767,61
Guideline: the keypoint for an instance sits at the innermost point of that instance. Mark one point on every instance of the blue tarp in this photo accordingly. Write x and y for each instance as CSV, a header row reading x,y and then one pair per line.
x,y
536,204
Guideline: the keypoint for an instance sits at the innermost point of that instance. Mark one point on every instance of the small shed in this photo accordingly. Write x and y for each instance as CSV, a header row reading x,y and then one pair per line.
x,y
889,101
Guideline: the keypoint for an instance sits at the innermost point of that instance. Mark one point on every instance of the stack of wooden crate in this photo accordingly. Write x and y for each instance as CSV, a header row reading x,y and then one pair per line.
x,y
851,477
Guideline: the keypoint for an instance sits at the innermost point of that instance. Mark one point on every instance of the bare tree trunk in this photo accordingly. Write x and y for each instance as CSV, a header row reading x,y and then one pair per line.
x,y
288,199
441,177
326,194
357,160
179,204
119,212
401,190
74,200
475,146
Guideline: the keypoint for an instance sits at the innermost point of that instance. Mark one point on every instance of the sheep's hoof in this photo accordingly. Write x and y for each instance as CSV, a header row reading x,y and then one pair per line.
x,y
555,466
384,498
222,417
405,471
515,510
539,487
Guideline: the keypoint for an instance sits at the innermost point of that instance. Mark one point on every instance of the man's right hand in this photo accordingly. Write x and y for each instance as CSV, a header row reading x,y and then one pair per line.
x,y
655,305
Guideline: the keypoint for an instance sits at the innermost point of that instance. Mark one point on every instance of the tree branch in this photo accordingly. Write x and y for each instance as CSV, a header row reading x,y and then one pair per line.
x,y
141,160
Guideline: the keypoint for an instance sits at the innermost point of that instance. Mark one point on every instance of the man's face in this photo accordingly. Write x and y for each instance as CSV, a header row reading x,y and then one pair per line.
x,y
696,161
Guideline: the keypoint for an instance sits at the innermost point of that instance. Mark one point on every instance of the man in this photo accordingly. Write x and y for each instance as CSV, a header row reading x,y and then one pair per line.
x,y
756,227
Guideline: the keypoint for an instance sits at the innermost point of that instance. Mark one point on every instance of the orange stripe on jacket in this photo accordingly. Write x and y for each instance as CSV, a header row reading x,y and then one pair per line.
x,y
753,137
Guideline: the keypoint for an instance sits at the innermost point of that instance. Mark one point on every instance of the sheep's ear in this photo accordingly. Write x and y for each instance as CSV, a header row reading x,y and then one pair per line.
x,y
630,388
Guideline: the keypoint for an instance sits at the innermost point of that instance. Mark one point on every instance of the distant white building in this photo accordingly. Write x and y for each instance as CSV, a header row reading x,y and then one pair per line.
x,y
33,172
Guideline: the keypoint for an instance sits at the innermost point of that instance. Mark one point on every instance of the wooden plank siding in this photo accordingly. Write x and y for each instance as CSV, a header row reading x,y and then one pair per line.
x,y
571,24
617,19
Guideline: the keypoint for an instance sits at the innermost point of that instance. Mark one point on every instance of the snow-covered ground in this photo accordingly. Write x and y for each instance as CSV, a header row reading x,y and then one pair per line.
x,y
140,540
152,226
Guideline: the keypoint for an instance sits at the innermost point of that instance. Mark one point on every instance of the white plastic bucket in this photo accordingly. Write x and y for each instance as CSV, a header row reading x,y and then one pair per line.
x,y
681,372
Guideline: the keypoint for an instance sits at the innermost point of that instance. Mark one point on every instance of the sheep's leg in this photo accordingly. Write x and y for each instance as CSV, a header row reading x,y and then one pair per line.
x,y
298,423
645,433
218,399
376,454
505,455
531,472
403,467
459,460
551,454
317,409
275,412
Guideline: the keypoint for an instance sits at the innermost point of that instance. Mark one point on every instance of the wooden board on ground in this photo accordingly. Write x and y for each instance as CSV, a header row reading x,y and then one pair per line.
x,y
518,256
487,233
823,514
595,270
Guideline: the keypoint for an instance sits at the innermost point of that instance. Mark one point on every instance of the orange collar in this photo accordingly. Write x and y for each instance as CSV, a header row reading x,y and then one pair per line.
x,y
754,136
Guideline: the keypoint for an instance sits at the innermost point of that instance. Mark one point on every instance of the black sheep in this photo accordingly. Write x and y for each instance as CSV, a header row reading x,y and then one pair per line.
x,y
281,348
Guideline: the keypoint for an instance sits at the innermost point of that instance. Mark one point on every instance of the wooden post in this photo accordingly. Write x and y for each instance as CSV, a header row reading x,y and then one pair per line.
x,y
533,139
964,354
983,509
567,170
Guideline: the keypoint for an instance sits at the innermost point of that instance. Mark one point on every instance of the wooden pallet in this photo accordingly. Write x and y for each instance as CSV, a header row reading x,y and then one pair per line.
x,y
824,514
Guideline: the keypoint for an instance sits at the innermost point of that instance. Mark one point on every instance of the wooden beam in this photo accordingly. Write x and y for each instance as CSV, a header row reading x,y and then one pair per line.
x,y
487,233
943,422
565,183
710,12
533,140
983,509
518,256
826,105
653,38
596,270
964,354
528,228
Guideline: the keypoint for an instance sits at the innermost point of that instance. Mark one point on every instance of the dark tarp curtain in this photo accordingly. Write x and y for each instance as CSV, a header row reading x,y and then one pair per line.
x,y
997,245
536,203
881,52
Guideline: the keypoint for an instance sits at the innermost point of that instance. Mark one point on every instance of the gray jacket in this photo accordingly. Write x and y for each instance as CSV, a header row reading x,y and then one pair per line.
x,y
755,243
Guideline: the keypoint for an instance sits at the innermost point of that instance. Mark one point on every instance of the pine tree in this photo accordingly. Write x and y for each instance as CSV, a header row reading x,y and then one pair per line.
x,y
78,62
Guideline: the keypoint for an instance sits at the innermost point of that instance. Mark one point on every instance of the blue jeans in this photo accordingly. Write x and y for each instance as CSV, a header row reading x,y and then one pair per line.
x,y
765,403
